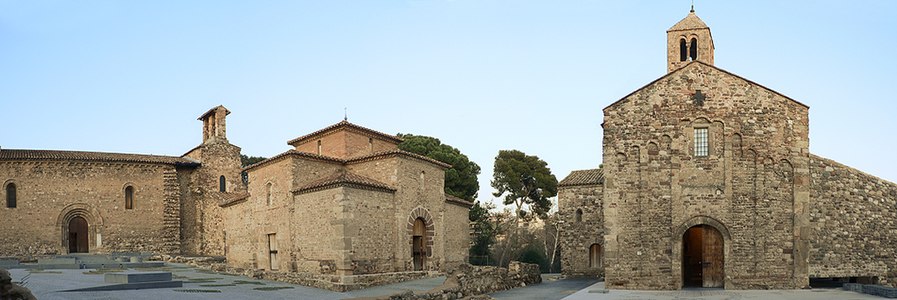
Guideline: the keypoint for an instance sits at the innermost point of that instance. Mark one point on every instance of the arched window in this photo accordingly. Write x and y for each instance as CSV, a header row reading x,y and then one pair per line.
x,y
268,195
11,195
222,184
595,256
683,50
319,147
129,197
693,51
578,216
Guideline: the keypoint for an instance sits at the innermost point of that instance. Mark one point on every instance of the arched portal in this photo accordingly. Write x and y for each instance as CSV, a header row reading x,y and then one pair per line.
x,y
78,236
418,244
703,262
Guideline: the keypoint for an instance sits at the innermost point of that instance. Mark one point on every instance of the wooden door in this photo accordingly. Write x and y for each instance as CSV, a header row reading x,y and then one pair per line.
x,y
713,271
418,245
272,251
692,257
78,241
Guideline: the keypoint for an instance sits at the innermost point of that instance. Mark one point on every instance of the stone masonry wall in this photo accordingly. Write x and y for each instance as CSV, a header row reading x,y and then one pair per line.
x,y
49,191
578,236
855,223
753,185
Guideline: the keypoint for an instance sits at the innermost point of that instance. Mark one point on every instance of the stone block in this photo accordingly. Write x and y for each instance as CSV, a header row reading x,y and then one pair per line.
x,y
137,277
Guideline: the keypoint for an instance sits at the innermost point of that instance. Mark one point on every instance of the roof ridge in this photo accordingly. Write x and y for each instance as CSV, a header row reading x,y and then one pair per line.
x,y
341,124
34,154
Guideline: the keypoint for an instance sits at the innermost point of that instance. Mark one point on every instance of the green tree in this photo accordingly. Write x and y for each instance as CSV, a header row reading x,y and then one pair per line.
x,y
483,231
461,179
524,181
249,160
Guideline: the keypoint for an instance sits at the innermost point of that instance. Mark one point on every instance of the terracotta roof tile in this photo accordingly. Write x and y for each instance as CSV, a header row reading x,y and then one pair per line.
x,y
457,201
344,124
395,152
691,21
26,154
583,177
233,198
344,178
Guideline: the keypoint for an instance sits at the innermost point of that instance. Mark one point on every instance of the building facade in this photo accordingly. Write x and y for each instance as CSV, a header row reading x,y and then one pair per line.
x,y
344,201
707,181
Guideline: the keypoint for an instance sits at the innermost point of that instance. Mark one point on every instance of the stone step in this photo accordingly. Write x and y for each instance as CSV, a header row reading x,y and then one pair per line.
x,y
136,277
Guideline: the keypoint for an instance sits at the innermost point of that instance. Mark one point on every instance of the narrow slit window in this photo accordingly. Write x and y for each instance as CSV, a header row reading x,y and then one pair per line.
x,y
129,197
683,50
319,147
578,217
11,195
222,184
701,147
693,51
269,194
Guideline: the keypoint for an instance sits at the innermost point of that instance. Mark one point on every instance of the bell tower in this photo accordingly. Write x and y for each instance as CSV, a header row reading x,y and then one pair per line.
x,y
687,41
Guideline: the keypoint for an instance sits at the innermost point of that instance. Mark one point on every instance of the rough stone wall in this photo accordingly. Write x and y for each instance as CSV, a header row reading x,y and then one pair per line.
x,y
49,191
752,186
367,215
219,158
316,242
249,223
854,218
345,144
578,236
457,235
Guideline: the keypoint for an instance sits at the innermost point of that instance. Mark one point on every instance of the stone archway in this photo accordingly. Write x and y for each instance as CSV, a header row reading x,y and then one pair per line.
x,y
701,252
420,230
80,228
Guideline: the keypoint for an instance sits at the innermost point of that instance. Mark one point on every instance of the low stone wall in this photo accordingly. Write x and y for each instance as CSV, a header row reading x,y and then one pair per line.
x,y
473,282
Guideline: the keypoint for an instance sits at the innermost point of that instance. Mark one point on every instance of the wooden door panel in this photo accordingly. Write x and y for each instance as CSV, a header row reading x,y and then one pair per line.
x,y
713,268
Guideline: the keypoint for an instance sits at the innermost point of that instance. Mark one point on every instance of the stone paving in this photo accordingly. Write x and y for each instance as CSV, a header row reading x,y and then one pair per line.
x,y
597,291
198,284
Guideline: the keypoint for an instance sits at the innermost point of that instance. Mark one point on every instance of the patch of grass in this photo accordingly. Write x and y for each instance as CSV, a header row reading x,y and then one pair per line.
x,y
39,271
101,271
203,280
272,288
197,291
217,285
248,282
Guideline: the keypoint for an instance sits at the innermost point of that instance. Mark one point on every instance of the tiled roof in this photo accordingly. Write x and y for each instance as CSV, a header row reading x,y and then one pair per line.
x,y
457,201
26,154
233,198
226,111
583,177
344,124
708,65
344,178
691,21
364,158
395,152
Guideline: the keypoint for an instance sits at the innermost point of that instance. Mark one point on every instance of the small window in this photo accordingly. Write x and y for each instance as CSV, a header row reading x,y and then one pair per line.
x,y
371,144
693,53
578,216
129,197
11,195
683,50
268,195
319,147
222,184
701,147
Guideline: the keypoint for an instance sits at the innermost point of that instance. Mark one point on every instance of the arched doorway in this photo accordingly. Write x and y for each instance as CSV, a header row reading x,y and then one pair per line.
x,y
702,257
77,237
418,244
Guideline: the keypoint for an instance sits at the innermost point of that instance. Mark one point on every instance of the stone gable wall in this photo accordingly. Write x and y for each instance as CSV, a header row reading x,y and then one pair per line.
x,y
854,218
753,184
578,236
48,190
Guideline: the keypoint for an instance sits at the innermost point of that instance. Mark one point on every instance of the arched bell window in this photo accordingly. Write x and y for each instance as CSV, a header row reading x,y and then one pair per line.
x,y
683,50
693,50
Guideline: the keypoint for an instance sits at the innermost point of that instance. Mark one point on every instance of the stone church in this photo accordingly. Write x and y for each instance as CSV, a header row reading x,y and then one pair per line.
x,y
707,181
343,201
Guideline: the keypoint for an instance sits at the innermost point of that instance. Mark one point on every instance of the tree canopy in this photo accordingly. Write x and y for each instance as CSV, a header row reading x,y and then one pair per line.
x,y
249,160
524,180
461,179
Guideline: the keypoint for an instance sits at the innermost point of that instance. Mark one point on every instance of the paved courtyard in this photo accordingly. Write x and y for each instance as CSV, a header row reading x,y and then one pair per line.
x,y
201,284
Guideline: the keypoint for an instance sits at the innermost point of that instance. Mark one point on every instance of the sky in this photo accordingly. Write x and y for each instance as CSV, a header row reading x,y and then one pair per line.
x,y
482,76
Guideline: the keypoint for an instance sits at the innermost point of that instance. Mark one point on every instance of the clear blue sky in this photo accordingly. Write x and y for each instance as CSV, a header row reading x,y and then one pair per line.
x,y
132,76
